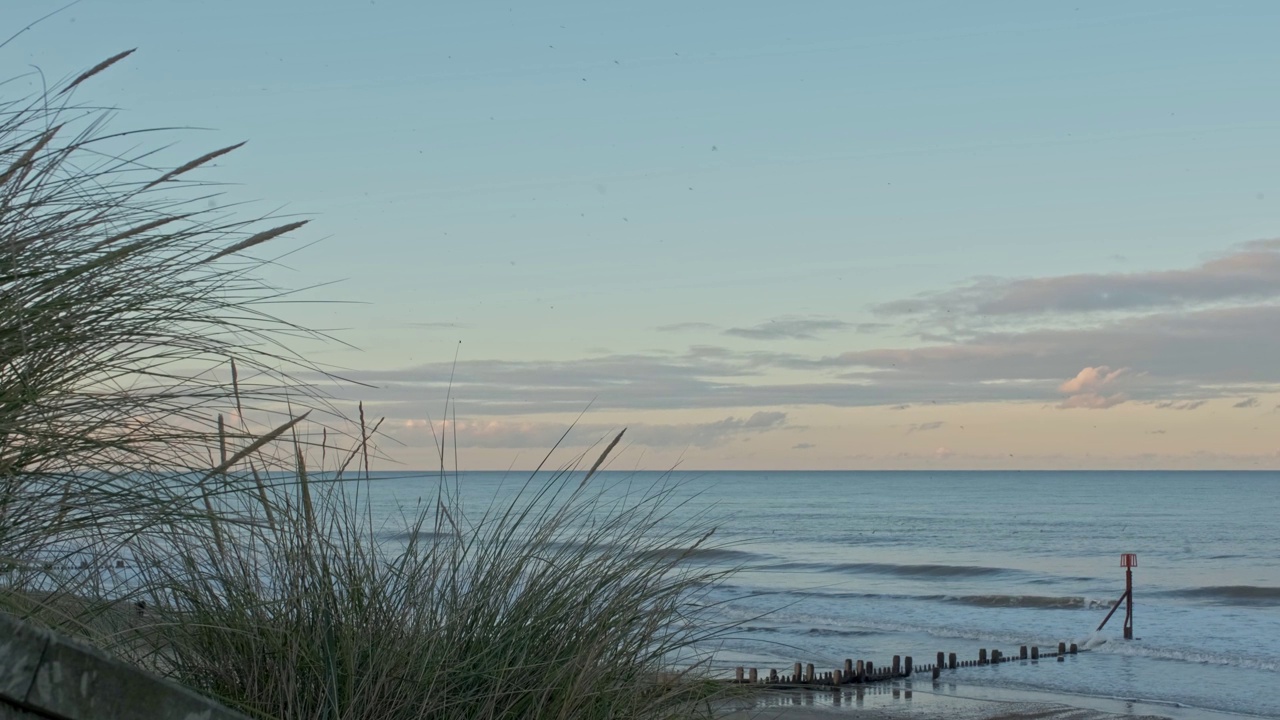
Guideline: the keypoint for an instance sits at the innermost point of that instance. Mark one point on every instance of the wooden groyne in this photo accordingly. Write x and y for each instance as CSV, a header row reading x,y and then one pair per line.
x,y
864,671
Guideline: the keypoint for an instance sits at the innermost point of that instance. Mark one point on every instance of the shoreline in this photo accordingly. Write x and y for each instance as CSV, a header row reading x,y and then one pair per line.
x,y
910,700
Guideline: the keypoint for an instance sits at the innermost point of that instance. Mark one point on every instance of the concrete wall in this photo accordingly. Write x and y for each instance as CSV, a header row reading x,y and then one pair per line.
x,y
45,675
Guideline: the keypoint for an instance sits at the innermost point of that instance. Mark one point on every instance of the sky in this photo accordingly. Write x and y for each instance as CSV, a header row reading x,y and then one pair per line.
x,y
817,235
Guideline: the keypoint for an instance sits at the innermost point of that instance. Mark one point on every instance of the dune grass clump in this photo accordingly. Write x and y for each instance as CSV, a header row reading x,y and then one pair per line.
x,y
167,493
551,605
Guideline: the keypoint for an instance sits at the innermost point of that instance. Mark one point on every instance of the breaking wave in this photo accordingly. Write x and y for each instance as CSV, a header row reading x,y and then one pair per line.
x,y
1030,601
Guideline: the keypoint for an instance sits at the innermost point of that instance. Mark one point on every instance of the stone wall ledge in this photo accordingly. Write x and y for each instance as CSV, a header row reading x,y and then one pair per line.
x,y
46,675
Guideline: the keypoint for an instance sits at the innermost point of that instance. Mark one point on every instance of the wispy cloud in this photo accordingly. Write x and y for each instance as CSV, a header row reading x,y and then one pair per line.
x,y
924,427
789,328
1247,403
687,327
501,433
1180,404
1250,273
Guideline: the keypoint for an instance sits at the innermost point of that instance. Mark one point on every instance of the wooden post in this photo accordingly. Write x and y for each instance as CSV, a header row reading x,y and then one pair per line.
x,y
871,669
860,672
897,664
937,671
909,667
1035,652
795,677
1062,648
752,676
737,674
982,656
808,672
1022,652
848,670
773,675
951,661
1073,649
942,659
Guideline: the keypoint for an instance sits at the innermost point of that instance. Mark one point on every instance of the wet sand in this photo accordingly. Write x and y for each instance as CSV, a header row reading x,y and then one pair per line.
x,y
952,702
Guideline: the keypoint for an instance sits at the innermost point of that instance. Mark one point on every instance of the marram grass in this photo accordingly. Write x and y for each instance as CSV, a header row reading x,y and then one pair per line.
x,y
151,413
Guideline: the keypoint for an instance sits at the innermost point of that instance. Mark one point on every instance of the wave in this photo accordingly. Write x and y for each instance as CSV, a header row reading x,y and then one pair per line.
x,y
933,571
832,632
1046,602
1254,595
1186,655
700,555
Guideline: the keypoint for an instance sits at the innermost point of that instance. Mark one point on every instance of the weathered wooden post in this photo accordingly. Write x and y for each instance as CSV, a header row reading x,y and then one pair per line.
x,y
860,672
1062,648
937,671
1035,652
796,677
1022,652
951,661
837,677
908,665
848,669
753,677
897,665
982,656
942,659
871,669
773,675
1073,649
737,674
808,672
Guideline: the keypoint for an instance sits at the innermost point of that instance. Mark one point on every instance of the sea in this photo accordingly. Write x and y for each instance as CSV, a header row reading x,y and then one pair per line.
x,y
868,565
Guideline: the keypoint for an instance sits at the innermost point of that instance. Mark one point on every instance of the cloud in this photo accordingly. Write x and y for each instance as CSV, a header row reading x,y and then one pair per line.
x,y
1180,404
501,433
789,328
687,327
803,446
1251,272
1090,379
1176,356
1247,403
924,427
1086,389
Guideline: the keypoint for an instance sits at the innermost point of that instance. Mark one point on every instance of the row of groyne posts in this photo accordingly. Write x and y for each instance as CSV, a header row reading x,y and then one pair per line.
x,y
864,671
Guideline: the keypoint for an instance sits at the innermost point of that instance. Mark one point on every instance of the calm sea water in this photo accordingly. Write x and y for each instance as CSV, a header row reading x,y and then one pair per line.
x,y
867,565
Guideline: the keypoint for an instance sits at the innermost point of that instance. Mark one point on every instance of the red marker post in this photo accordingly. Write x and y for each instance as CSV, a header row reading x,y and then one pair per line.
x,y
1128,561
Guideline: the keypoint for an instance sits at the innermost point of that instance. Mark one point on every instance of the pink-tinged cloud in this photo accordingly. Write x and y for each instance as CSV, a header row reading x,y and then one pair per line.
x,y
1085,391
1090,379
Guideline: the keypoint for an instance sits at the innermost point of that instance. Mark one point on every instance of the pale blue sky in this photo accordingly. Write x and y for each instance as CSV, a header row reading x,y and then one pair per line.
x,y
556,182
